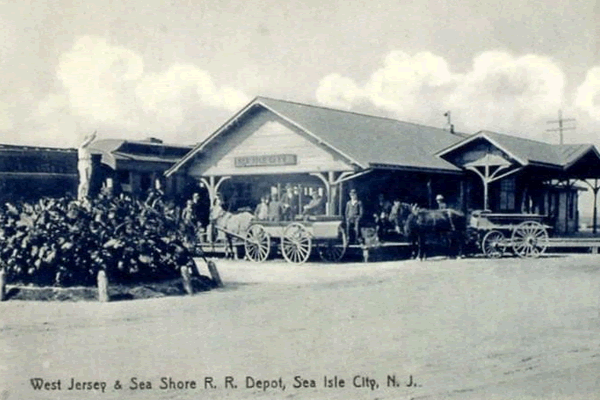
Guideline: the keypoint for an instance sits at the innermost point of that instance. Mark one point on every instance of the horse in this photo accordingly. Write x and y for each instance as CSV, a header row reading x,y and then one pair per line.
x,y
419,224
229,224
449,225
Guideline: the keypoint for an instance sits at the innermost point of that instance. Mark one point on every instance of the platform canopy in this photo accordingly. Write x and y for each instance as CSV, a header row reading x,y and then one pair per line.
x,y
493,156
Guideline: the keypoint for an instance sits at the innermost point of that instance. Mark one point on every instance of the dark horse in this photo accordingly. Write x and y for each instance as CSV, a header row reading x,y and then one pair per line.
x,y
420,225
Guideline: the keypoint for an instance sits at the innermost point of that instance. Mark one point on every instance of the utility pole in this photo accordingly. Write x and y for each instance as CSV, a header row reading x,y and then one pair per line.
x,y
561,126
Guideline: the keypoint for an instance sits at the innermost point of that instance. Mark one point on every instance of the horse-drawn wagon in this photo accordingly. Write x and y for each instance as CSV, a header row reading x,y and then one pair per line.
x,y
294,239
525,234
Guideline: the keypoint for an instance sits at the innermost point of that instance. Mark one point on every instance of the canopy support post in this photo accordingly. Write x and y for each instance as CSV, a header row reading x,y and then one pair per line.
x,y
595,187
325,181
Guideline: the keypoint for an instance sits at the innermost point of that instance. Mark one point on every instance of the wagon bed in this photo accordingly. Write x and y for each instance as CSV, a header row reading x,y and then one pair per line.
x,y
295,239
525,234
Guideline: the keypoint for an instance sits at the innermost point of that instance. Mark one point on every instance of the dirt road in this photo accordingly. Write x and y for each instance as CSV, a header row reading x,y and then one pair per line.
x,y
460,329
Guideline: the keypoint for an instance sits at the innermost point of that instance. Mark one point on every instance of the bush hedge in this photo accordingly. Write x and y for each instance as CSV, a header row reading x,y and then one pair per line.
x,y
64,242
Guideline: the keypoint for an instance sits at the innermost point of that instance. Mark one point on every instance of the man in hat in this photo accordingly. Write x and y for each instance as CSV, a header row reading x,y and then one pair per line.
x,y
382,210
441,202
289,203
275,208
262,209
353,214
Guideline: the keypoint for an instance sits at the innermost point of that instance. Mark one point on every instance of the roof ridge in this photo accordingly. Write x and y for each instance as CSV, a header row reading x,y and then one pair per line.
x,y
519,137
142,141
27,146
356,113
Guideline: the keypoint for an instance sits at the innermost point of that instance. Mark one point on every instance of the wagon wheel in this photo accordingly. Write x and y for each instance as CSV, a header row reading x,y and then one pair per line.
x,y
529,239
492,244
257,243
296,243
333,250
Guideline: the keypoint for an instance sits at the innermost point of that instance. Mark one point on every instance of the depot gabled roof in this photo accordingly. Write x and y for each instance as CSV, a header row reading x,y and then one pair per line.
x,y
364,140
528,151
150,150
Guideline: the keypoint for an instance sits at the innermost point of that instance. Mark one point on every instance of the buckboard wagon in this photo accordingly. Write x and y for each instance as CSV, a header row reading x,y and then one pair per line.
x,y
294,239
525,234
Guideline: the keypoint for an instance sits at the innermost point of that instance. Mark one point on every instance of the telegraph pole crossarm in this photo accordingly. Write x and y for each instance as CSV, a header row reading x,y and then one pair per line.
x,y
561,128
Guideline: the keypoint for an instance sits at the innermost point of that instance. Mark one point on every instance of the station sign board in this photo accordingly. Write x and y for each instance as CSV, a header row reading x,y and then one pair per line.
x,y
266,160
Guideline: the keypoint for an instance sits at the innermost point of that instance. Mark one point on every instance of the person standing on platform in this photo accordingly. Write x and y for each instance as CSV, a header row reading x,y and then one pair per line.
x,y
275,208
201,211
262,209
290,203
381,214
393,217
353,214
189,221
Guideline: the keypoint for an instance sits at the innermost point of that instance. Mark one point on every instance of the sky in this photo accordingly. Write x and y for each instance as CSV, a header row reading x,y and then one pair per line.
x,y
178,69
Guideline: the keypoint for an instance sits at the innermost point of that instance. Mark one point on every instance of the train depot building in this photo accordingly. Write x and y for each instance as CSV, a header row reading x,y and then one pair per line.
x,y
30,172
270,145
134,166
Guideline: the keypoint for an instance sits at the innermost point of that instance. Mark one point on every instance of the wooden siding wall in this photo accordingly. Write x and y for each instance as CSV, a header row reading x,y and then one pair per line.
x,y
474,151
264,133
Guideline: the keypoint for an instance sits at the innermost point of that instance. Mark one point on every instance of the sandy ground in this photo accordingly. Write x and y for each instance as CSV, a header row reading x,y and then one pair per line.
x,y
463,329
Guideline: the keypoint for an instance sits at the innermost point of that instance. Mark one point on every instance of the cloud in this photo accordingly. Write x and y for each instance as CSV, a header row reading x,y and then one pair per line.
x,y
403,81
98,78
507,93
499,92
106,86
588,94
182,86
338,91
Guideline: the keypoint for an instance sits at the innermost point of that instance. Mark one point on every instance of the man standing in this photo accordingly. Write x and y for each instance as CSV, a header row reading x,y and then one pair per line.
x,y
275,208
200,211
354,212
262,209
394,212
289,203
381,214
84,166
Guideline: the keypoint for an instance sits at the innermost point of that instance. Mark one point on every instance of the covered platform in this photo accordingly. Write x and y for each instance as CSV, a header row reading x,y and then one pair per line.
x,y
294,153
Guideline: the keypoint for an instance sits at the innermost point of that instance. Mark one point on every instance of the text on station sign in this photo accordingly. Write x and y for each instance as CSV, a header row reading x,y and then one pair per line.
x,y
266,160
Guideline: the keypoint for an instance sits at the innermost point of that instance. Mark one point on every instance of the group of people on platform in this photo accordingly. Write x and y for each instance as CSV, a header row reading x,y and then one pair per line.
x,y
272,207
286,208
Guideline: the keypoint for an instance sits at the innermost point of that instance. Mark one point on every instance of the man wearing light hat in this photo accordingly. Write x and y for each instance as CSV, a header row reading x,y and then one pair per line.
x,y
354,212
441,202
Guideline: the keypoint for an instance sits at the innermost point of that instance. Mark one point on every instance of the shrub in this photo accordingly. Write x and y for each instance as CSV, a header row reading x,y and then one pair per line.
x,y
64,242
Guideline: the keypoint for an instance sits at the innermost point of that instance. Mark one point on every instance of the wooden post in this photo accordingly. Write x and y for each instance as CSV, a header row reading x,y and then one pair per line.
x,y
187,280
103,287
2,285
212,268
594,223
429,194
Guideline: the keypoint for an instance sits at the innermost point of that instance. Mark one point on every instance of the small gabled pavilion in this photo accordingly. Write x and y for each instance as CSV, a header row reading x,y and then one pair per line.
x,y
523,175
